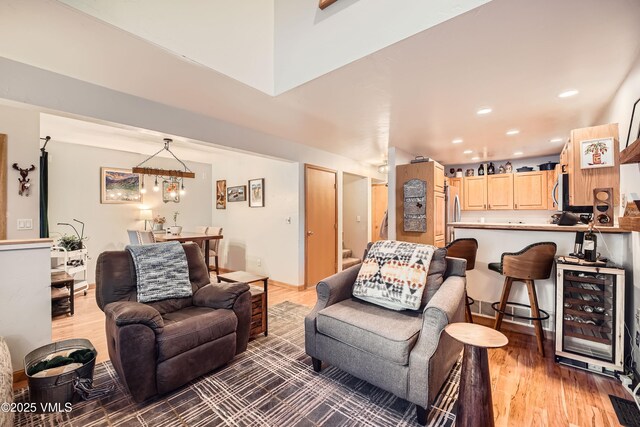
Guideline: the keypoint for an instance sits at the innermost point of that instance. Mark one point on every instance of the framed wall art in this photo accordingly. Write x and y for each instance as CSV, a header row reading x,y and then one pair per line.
x,y
415,206
170,191
237,194
119,186
597,153
221,194
256,193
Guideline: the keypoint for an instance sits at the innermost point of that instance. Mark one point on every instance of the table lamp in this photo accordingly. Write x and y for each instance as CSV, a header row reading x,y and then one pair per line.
x,y
146,215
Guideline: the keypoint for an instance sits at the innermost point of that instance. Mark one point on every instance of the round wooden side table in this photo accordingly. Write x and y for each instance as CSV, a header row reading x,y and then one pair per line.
x,y
475,406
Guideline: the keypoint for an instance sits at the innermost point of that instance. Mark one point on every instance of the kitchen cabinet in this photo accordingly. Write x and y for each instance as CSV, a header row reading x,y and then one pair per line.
x,y
583,181
439,220
530,190
439,177
552,180
457,183
500,192
475,193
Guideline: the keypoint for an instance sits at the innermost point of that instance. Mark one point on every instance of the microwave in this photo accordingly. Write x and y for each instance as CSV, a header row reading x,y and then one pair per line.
x,y
561,196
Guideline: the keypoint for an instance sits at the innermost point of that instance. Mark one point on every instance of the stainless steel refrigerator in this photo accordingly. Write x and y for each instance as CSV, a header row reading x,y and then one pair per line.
x,y
452,210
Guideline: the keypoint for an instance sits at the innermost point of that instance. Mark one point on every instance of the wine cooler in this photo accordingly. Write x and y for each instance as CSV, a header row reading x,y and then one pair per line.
x,y
590,317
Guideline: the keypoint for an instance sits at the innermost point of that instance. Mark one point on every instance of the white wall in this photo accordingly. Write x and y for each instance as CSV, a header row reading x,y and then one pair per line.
x,y
234,37
254,236
22,128
310,42
355,203
619,111
396,157
74,192
25,298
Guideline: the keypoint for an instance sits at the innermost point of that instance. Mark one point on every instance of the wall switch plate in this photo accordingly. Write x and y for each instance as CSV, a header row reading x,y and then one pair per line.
x,y
357,218
25,224
259,262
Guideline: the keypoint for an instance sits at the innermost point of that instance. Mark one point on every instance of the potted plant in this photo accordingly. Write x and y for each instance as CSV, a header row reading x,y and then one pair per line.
x,y
596,149
158,223
175,229
71,243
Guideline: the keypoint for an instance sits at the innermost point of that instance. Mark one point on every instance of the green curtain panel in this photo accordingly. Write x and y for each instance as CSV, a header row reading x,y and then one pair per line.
x,y
44,193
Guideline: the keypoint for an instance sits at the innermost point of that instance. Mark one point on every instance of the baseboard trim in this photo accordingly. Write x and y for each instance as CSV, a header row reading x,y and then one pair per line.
x,y
510,326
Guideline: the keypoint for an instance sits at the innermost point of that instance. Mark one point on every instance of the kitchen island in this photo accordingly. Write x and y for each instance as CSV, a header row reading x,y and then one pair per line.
x,y
485,286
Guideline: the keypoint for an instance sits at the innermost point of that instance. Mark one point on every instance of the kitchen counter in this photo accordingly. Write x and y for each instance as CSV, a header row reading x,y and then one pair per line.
x,y
533,227
485,286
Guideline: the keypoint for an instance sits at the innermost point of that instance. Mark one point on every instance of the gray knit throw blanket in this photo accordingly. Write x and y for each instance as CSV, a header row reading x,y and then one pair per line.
x,y
161,270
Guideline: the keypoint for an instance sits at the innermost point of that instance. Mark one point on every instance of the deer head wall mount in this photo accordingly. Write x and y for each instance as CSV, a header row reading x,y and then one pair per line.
x,y
25,183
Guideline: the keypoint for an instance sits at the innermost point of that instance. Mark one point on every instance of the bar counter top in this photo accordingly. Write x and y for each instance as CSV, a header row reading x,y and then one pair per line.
x,y
533,227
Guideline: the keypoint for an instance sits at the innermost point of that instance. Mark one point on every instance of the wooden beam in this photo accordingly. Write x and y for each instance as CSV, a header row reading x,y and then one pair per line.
x,y
326,3
3,187
164,172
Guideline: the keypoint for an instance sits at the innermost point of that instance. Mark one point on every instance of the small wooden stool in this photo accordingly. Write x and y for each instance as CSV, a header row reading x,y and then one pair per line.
x,y
475,406
465,249
532,263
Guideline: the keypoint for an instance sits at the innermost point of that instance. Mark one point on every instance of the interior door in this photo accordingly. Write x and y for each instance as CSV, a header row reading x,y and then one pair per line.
x,y
321,222
3,187
379,202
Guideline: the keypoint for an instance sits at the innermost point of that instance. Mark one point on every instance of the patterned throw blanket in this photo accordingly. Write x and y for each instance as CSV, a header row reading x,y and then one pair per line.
x,y
162,271
394,274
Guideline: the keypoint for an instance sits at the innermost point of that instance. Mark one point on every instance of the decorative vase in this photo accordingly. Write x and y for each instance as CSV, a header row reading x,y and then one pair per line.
x,y
175,229
597,158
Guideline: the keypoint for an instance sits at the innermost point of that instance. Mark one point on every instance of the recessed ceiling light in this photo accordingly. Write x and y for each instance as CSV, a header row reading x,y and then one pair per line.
x,y
556,140
513,132
483,111
568,93
457,141
518,153
475,158
468,151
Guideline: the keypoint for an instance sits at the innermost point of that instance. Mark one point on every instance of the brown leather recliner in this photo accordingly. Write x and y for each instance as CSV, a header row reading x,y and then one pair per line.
x,y
159,346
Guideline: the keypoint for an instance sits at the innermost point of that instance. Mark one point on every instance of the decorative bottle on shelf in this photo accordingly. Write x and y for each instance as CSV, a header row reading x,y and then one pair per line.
x,y
491,169
590,245
481,170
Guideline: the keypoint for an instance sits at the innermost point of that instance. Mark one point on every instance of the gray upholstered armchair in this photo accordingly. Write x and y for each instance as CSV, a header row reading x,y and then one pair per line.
x,y
404,352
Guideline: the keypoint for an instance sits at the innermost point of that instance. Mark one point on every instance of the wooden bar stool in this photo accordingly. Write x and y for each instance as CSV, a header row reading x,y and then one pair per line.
x,y
466,249
532,263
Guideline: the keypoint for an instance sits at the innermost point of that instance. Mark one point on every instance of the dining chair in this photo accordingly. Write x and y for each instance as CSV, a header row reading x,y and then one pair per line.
x,y
214,245
137,237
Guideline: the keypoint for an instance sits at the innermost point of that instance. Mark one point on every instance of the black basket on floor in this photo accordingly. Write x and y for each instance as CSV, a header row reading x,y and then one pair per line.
x,y
58,389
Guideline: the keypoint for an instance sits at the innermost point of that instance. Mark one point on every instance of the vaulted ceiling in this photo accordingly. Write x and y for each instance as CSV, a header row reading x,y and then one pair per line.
x,y
417,94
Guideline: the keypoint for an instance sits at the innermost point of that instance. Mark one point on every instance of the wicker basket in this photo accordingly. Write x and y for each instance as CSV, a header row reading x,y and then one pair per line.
x,y
59,388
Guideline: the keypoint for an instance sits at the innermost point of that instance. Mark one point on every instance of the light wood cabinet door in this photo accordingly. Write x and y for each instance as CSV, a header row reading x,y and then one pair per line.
x,y
475,193
530,190
439,177
439,217
552,180
500,192
457,183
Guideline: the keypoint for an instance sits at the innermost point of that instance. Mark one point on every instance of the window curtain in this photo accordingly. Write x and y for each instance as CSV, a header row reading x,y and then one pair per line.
x,y
44,193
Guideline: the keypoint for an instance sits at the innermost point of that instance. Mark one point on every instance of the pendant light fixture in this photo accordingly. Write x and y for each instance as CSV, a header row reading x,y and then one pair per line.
x,y
172,175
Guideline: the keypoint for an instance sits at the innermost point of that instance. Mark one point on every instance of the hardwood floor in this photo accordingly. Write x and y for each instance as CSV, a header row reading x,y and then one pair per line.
x,y
528,390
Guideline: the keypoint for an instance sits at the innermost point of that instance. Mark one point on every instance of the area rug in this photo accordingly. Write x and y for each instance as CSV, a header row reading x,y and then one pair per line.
x,y
271,384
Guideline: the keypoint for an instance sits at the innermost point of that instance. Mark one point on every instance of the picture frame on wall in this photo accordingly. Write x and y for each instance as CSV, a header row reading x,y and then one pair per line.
x,y
256,193
170,191
221,194
237,193
119,186
597,153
